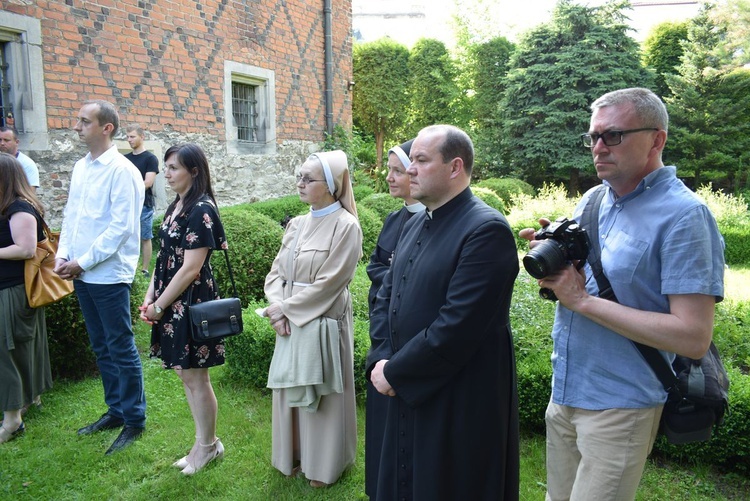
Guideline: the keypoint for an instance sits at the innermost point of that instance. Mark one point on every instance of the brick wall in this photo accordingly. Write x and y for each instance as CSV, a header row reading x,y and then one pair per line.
x,y
162,63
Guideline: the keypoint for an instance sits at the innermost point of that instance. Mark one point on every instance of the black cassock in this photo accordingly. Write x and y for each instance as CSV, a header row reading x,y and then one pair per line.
x,y
441,318
377,404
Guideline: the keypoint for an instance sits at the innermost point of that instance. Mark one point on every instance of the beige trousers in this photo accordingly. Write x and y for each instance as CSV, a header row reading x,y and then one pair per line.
x,y
597,455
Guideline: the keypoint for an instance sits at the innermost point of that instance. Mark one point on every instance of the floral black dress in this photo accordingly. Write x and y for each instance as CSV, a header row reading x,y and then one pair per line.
x,y
171,338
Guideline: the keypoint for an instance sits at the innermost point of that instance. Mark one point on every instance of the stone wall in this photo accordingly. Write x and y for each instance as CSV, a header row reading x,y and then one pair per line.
x,y
235,178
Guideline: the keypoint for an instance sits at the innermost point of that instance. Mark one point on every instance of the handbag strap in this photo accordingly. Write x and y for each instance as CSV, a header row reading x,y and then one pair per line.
x,y
40,218
229,269
231,274
590,221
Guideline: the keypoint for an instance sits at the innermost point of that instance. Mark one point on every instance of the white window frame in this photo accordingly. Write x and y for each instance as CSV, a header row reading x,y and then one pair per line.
x,y
265,94
26,75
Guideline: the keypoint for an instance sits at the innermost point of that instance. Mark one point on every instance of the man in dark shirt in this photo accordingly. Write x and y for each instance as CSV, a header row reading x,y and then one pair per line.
x,y
148,165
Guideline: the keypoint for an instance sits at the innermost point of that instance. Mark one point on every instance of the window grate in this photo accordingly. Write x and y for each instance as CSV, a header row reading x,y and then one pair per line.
x,y
6,105
245,111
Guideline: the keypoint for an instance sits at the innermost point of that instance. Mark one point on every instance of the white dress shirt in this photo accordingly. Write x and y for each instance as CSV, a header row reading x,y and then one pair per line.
x,y
101,220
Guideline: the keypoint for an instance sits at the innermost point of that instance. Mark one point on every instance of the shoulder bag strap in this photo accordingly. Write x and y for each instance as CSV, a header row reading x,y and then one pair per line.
x,y
231,275
590,221
47,232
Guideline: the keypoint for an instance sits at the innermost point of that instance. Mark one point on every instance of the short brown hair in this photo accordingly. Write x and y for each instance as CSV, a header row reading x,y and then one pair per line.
x,y
107,114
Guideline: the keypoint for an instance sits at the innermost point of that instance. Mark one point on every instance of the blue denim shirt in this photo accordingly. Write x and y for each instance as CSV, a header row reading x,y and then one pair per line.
x,y
660,239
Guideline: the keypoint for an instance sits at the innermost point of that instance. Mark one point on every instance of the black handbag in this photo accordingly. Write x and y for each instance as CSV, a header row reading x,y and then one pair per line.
x,y
697,390
217,318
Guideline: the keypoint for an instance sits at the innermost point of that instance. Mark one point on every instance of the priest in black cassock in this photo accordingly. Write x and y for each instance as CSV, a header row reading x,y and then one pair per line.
x,y
441,341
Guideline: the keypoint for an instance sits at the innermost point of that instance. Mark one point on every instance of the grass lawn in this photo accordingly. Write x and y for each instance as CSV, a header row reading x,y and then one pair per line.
x,y
50,462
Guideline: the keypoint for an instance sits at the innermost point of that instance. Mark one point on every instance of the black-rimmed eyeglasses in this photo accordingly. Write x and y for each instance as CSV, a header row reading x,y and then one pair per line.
x,y
610,137
306,180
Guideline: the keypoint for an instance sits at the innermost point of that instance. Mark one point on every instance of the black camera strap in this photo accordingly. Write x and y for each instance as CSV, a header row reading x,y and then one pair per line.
x,y
590,222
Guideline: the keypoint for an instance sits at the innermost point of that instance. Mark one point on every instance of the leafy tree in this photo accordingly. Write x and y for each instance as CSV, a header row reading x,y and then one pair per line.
x,y
432,87
709,109
490,67
663,52
735,16
557,70
380,100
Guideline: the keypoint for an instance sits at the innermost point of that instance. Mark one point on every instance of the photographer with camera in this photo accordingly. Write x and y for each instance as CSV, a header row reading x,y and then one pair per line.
x,y
663,255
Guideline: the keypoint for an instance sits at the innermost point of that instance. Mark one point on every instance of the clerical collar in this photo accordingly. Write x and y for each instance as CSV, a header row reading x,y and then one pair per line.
x,y
326,210
415,207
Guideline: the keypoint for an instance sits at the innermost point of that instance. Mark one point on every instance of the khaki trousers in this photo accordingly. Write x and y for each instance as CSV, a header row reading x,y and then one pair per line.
x,y
597,455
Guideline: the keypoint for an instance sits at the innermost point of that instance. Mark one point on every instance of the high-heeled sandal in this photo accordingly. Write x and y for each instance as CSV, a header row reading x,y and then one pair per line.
x,y
7,436
183,461
193,468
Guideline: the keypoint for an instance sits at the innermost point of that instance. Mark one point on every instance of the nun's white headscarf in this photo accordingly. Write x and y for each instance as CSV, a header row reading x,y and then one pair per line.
x,y
336,173
402,152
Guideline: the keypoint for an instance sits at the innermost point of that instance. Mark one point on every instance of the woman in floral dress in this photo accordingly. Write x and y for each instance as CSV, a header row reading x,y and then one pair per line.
x,y
190,231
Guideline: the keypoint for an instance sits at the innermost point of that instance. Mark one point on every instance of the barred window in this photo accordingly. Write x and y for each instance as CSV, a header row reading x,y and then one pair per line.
x,y
250,109
6,105
22,93
244,109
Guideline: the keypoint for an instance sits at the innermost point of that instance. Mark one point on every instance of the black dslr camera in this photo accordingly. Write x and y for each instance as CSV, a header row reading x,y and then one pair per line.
x,y
564,241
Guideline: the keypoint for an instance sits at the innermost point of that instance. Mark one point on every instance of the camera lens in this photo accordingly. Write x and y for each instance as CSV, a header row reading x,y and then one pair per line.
x,y
545,259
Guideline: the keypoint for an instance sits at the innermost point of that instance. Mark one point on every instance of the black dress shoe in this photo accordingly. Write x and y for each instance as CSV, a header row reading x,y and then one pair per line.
x,y
127,436
106,422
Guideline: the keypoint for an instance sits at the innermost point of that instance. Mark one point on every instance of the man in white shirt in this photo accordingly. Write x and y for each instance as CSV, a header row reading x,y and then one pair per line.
x,y
9,144
99,248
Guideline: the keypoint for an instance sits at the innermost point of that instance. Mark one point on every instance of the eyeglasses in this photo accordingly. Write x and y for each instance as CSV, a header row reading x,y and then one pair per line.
x,y
610,137
306,180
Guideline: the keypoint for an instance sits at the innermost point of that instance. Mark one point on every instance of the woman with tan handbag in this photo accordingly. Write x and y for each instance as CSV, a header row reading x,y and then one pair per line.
x,y
24,356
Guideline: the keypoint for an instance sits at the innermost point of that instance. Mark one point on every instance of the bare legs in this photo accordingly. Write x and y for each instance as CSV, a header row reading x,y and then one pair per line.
x,y
146,252
203,406
11,425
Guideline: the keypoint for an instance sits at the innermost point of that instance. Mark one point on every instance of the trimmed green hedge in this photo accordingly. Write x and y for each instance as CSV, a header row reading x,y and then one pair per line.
x,y
490,198
371,226
382,204
69,348
361,192
278,209
736,239
506,188
249,354
254,240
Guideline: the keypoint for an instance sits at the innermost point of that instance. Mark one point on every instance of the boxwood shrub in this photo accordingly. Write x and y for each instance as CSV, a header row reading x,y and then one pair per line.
x,y
69,348
362,191
371,225
254,240
278,209
737,251
249,353
506,188
490,198
359,289
382,204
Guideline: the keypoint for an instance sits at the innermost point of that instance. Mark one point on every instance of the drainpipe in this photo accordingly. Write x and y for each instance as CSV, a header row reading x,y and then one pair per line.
x,y
328,65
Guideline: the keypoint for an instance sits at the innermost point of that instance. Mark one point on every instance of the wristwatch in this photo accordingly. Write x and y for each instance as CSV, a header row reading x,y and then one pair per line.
x,y
157,309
